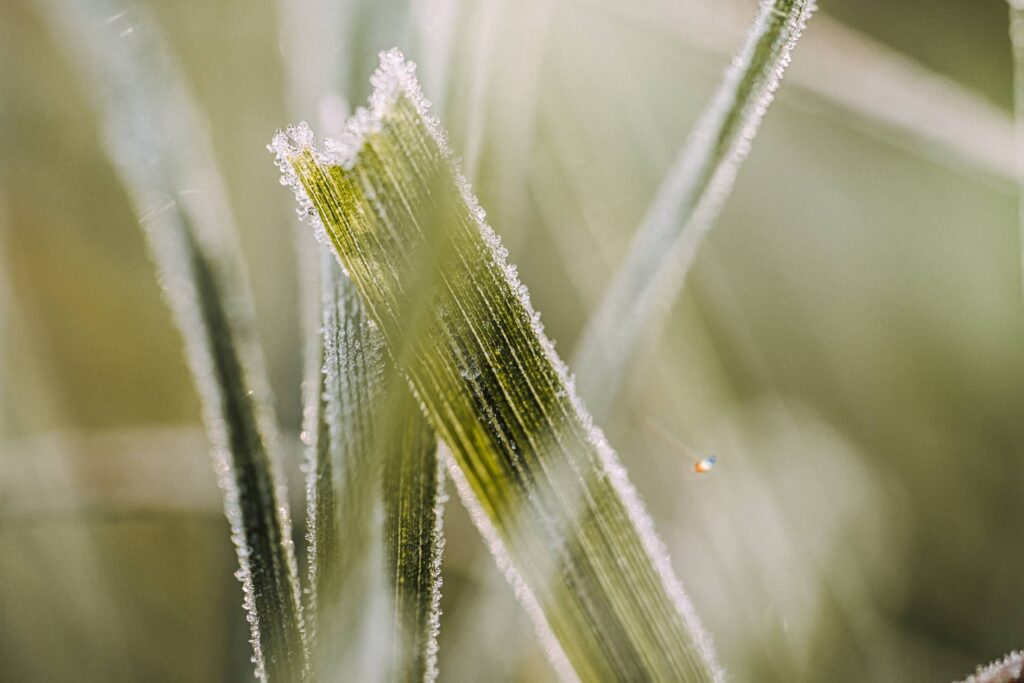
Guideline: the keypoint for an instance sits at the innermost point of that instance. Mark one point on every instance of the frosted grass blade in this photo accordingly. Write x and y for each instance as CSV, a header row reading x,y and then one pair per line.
x,y
344,525
156,142
363,453
547,491
374,586
414,497
687,203
1010,669
876,89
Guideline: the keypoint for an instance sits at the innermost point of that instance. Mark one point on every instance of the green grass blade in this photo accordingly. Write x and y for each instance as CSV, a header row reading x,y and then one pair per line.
x,y
687,204
344,409
343,490
1017,43
321,505
546,488
413,487
1010,669
157,147
372,450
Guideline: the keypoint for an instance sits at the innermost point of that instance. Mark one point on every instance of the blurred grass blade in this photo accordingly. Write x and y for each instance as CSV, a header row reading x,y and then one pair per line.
x,y
413,487
687,203
1017,43
157,144
1010,669
862,82
548,492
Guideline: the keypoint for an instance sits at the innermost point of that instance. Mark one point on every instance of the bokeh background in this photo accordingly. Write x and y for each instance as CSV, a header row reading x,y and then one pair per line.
x,y
850,343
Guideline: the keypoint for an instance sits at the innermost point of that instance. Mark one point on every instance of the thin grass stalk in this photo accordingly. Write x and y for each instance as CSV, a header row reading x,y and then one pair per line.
x,y
687,204
158,147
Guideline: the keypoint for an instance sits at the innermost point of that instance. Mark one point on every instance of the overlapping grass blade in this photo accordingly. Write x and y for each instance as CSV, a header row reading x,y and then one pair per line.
x,y
373,452
687,203
343,487
341,481
546,489
156,144
367,447
414,497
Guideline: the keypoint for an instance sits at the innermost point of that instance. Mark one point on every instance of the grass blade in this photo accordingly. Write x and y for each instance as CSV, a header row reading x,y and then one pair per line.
x,y
156,143
413,487
343,489
548,491
872,87
1017,43
1010,669
687,203
351,428
373,449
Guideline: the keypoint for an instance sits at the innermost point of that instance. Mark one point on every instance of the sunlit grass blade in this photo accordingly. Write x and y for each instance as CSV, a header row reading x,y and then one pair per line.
x,y
413,492
156,143
376,441
1010,669
687,203
547,490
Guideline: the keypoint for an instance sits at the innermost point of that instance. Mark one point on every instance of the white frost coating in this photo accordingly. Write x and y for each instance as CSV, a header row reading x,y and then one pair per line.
x,y
1008,670
395,77
683,212
437,553
552,648
157,141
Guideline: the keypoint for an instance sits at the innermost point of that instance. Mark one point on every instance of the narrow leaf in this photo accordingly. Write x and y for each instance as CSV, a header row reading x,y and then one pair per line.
x,y
547,490
1008,670
687,203
343,488
1017,43
351,427
157,146
373,450
413,488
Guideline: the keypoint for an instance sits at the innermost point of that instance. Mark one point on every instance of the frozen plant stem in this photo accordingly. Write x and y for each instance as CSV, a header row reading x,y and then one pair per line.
x,y
155,140
544,486
687,204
